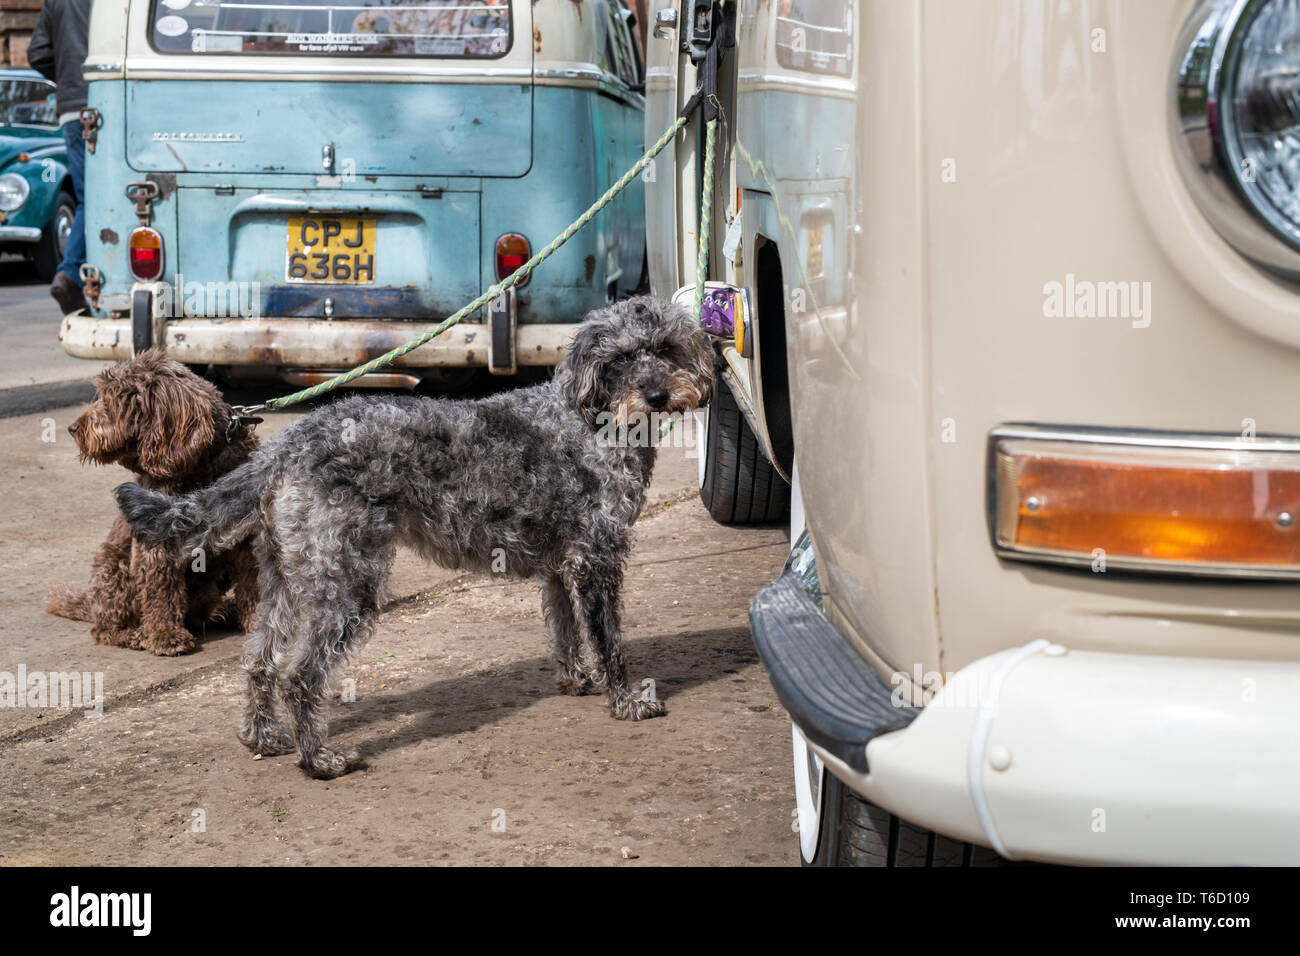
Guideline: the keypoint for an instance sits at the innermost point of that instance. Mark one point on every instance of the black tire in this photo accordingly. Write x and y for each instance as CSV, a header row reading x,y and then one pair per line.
x,y
857,833
739,485
47,252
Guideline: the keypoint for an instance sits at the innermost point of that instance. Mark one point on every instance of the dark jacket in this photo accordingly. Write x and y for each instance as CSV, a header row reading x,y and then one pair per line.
x,y
58,49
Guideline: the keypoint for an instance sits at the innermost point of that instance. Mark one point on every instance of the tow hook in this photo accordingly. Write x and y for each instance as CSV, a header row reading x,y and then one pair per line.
x,y
142,194
91,121
90,282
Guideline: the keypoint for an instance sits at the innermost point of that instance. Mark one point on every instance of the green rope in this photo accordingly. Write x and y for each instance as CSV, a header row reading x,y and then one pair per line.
x,y
511,280
706,216
706,220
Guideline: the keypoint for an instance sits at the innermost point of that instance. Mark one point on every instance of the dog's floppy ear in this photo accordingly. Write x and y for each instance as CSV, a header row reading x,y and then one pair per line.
x,y
178,424
698,360
582,372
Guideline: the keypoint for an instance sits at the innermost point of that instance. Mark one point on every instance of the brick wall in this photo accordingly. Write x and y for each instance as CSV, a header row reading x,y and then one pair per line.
x,y
17,20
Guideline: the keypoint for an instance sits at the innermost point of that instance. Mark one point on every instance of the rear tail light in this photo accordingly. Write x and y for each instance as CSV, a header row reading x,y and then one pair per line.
x,y
513,251
145,251
1147,502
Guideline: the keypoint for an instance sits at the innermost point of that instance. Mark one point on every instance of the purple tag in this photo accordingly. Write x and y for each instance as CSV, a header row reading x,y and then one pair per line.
x,y
718,312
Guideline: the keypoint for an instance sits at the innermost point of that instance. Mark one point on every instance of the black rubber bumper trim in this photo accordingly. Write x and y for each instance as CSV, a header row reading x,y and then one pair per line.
x,y
141,321
833,695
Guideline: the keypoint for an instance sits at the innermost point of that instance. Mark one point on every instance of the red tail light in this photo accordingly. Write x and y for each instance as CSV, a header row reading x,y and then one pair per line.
x,y
513,251
145,252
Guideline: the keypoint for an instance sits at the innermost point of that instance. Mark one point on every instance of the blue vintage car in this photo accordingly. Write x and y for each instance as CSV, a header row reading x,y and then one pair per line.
x,y
36,203
299,188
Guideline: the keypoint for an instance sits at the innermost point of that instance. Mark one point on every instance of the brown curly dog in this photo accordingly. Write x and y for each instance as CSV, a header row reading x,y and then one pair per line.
x,y
170,427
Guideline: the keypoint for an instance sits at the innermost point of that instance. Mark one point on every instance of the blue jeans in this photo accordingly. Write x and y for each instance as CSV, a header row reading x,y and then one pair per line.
x,y
75,253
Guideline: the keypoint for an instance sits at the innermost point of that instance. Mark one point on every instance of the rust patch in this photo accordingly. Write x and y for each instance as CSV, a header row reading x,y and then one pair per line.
x,y
166,183
578,4
372,179
537,39
108,237
590,263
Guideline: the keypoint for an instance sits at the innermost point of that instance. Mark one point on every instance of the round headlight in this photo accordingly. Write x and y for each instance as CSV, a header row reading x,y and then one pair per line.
x,y
1237,117
13,191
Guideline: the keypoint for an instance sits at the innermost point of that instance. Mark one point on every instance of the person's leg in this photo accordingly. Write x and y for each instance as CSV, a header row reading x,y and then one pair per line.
x,y
75,254
66,287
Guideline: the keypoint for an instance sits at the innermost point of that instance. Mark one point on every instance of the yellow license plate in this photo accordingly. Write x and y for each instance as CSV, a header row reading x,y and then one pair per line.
x,y
331,249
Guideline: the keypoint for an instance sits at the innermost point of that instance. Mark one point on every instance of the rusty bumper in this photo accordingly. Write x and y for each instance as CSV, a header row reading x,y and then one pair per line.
x,y
305,343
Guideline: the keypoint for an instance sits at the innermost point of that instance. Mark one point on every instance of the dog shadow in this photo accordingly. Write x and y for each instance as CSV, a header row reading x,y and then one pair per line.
x,y
461,704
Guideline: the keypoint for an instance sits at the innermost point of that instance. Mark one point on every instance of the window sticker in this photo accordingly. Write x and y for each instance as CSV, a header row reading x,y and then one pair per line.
x,y
371,28
173,26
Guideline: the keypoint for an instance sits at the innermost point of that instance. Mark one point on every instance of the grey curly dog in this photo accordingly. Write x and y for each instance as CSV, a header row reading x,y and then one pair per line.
x,y
524,475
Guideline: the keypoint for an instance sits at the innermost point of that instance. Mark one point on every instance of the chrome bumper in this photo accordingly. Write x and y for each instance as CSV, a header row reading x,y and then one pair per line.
x,y
307,343
19,234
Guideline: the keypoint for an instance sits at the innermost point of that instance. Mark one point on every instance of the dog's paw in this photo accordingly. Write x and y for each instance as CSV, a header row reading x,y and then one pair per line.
x,y
328,763
635,708
575,685
168,643
271,741
118,637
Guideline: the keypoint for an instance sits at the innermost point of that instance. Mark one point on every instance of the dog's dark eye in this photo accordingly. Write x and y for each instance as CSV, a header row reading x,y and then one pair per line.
x,y
621,361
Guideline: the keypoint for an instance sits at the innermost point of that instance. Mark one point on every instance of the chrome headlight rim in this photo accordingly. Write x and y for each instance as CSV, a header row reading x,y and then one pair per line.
x,y
1206,145
23,191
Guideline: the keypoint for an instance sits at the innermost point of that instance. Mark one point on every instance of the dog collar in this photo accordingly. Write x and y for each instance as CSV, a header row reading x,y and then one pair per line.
x,y
238,419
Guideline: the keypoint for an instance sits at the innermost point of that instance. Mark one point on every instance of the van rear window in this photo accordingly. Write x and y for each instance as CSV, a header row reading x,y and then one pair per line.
x,y
815,36
434,28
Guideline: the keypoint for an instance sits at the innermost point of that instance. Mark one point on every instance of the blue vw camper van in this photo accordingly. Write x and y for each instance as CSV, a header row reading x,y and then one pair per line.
x,y
297,186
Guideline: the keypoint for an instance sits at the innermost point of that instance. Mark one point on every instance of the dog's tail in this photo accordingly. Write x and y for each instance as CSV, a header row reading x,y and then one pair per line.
x,y
69,602
215,518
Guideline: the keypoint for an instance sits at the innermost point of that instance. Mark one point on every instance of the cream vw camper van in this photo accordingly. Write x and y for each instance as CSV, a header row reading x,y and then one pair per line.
x,y
1025,356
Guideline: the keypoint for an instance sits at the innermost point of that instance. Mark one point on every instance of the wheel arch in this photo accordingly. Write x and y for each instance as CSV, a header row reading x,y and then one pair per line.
x,y
770,367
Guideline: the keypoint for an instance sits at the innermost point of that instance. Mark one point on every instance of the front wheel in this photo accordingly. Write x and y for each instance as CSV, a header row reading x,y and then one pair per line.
x,y
738,485
49,249
839,828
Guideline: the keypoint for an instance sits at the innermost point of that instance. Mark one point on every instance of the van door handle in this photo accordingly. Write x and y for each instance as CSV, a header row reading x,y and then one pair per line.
x,y
665,20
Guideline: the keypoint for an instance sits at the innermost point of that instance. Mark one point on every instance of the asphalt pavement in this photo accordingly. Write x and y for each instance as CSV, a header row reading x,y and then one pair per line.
x,y
35,373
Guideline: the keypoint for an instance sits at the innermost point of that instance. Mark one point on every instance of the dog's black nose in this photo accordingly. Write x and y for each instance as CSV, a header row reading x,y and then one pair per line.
x,y
656,397
72,429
